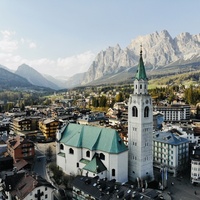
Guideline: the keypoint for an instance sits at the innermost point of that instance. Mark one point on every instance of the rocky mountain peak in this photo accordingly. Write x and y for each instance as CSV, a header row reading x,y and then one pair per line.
x,y
159,49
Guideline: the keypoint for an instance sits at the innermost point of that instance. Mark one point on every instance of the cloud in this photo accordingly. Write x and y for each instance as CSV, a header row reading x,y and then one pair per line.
x,y
7,44
29,43
75,64
63,66
67,66
32,45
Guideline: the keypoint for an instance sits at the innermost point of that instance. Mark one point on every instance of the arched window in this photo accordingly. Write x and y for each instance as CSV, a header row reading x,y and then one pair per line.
x,y
134,111
71,151
113,172
102,156
146,111
88,154
61,147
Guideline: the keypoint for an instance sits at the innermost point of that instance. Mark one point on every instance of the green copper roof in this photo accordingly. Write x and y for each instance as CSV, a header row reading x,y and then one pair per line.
x,y
93,138
95,165
141,73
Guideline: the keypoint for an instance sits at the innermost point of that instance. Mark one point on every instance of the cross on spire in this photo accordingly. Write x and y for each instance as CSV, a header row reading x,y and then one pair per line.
x,y
141,50
141,73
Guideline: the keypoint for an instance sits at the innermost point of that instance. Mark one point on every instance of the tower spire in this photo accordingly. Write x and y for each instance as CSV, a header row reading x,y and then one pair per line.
x,y
141,73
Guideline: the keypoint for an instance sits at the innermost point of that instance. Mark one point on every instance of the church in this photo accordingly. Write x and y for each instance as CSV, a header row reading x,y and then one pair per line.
x,y
95,151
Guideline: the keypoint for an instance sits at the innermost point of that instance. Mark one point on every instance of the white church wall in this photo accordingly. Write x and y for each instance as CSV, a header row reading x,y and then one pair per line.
x,y
119,163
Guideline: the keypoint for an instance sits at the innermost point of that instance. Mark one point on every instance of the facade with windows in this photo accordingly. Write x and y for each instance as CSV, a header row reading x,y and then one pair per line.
x,y
170,151
23,185
48,127
174,112
195,165
91,151
19,148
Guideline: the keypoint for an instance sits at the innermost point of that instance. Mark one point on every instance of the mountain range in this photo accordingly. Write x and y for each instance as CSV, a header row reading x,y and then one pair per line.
x,y
162,55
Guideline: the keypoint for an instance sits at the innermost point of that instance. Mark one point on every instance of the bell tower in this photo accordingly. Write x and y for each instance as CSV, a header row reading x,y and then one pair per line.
x,y
140,128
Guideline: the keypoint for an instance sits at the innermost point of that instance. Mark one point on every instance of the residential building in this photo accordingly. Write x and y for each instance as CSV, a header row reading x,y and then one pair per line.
x,y
158,120
191,131
195,165
91,151
174,112
91,119
171,151
25,186
95,188
120,106
57,111
19,148
25,126
140,128
48,127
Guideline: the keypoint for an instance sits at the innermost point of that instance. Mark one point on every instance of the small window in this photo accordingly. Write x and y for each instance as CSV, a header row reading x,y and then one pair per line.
x,y
102,156
71,151
146,111
46,196
77,164
45,188
134,111
61,146
88,154
113,172
140,86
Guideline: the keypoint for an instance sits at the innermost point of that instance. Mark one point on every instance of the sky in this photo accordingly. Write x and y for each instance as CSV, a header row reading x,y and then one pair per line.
x,y
63,37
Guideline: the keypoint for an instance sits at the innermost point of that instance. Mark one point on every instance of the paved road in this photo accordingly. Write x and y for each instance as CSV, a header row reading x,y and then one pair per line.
x,y
40,159
182,189
40,165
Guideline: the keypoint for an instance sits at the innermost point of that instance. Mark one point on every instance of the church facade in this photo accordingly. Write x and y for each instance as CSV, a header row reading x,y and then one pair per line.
x,y
92,151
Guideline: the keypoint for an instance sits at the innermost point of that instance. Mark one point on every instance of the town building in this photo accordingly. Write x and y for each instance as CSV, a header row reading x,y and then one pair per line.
x,y
19,148
95,188
26,186
174,112
91,119
171,151
140,128
91,151
191,131
195,165
119,106
158,120
48,127
25,126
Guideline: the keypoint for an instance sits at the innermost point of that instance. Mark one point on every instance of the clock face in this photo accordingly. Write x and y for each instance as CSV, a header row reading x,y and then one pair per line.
x,y
147,101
